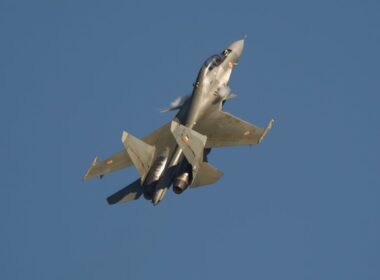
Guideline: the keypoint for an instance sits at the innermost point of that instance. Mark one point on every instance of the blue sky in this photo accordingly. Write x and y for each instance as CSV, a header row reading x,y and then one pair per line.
x,y
304,204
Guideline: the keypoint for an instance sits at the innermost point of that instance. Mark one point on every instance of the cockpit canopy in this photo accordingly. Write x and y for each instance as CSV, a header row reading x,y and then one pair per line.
x,y
210,63
215,60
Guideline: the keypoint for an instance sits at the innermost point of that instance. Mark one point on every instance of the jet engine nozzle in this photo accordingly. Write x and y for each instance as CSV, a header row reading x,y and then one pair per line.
x,y
181,183
155,173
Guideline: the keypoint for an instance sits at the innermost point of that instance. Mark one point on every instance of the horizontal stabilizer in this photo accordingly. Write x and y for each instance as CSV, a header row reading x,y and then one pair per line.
x,y
206,175
140,153
129,193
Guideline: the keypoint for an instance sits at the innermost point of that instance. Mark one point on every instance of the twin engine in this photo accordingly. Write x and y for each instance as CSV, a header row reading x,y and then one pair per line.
x,y
181,182
183,179
155,174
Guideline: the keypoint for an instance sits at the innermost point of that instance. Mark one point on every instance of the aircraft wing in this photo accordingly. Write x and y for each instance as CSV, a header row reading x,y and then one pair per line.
x,y
115,162
160,138
223,129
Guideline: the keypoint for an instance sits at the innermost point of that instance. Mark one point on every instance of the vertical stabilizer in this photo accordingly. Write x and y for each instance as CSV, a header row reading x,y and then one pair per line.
x,y
140,153
191,142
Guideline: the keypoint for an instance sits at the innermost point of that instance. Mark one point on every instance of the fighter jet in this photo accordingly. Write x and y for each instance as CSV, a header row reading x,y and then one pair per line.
x,y
176,154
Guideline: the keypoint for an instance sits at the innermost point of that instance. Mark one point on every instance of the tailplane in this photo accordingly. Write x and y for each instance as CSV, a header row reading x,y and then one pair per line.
x,y
206,175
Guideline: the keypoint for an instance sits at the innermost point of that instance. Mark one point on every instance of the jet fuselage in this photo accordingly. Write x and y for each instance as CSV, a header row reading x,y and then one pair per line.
x,y
209,92
176,153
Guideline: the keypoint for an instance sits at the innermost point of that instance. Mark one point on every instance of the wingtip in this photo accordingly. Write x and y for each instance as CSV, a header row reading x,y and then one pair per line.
x,y
270,124
124,136
88,176
269,127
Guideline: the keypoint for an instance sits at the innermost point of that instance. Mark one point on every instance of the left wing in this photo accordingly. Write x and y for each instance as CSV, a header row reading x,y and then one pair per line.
x,y
115,162
223,129
160,138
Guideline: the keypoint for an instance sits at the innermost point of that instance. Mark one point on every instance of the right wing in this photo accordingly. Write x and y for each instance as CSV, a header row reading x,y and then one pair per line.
x,y
223,129
160,137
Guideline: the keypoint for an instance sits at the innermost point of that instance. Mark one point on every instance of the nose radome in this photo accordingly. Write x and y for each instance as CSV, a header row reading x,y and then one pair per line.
x,y
237,47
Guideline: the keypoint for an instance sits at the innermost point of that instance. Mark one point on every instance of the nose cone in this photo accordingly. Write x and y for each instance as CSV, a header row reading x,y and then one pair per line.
x,y
237,48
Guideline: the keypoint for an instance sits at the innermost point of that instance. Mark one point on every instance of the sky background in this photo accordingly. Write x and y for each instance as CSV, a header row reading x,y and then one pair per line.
x,y
304,204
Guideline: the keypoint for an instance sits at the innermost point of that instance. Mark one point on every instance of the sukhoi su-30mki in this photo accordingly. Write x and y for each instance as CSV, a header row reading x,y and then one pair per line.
x,y
176,154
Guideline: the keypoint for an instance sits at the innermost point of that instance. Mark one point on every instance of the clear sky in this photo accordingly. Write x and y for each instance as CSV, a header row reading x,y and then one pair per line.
x,y
304,204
